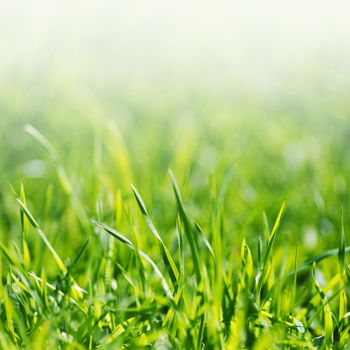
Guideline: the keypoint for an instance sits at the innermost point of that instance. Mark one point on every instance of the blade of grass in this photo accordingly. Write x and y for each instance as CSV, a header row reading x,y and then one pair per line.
x,y
205,240
61,172
80,253
295,277
341,270
54,288
273,234
327,314
24,224
187,228
266,257
167,258
42,235
307,264
11,258
126,241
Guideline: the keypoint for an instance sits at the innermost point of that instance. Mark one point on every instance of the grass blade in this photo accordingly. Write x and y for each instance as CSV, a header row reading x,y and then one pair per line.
x,y
307,264
167,258
342,271
205,240
42,235
187,228
126,241
61,172
262,274
273,234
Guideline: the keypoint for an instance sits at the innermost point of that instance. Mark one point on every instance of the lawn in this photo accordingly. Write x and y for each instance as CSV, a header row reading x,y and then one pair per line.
x,y
196,222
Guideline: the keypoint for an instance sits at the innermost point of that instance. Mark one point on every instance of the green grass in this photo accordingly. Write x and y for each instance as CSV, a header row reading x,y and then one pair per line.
x,y
241,244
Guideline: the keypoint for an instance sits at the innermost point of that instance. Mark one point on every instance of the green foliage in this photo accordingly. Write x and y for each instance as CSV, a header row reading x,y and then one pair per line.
x,y
90,263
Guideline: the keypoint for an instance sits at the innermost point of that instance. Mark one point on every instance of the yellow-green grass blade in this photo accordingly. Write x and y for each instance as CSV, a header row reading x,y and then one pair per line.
x,y
168,260
265,260
342,271
126,241
187,228
61,172
42,235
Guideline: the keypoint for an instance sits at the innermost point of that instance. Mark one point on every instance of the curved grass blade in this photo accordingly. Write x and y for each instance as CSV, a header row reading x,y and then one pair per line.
x,y
307,264
80,253
266,257
126,241
54,288
24,225
342,270
187,228
273,234
180,240
205,240
43,141
12,259
61,172
167,258
328,321
341,250
114,233
295,275
42,235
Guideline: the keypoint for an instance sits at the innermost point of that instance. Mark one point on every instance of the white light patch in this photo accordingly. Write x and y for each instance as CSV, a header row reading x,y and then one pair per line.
x,y
35,168
310,237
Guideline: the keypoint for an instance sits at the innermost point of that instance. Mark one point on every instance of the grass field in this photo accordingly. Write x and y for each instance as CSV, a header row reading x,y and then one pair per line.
x,y
174,175
168,224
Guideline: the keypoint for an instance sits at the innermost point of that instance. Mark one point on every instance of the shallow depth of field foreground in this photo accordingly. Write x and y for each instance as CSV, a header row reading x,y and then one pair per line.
x,y
164,186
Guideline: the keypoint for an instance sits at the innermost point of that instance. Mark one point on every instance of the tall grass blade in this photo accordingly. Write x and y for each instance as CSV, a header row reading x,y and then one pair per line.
x,y
126,241
42,235
167,258
187,228
61,172
342,271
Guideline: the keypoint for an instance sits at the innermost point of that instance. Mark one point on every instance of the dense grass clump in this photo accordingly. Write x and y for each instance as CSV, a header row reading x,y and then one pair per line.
x,y
240,245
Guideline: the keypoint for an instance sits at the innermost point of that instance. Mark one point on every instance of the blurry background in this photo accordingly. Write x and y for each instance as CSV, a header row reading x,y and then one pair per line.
x,y
266,48
125,90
